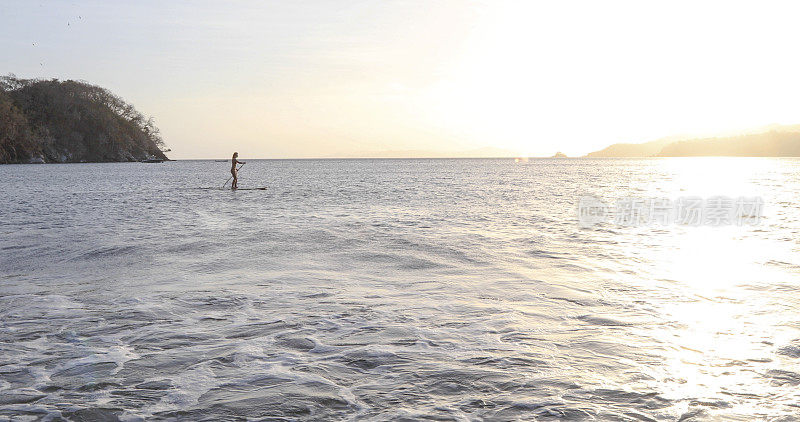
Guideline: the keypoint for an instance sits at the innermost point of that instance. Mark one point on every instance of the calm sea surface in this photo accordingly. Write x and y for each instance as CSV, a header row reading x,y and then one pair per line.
x,y
395,289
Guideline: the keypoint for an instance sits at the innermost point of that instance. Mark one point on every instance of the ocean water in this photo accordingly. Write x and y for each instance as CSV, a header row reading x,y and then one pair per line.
x,y
395,289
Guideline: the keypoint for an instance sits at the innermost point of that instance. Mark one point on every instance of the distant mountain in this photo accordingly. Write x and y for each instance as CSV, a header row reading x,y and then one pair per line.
x,y
770,144
768,141
70,121
647,149
487,152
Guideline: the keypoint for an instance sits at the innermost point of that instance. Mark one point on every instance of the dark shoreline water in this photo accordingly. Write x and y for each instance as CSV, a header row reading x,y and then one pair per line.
x,y
388,289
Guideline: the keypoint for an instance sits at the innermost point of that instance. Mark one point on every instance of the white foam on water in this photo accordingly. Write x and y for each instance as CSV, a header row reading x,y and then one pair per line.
x,y
188,386
40,306
116,354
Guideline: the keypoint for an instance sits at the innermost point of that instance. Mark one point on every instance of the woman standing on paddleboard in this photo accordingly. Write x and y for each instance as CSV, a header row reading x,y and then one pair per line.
x,y
234,170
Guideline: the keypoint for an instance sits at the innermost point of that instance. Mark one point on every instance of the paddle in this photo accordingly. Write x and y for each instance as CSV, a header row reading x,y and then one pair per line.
x,y
229,179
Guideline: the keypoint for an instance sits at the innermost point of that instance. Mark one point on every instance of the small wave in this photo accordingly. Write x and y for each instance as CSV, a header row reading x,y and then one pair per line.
x,y
303,344
259,329
780,377
371,359
608,322
791,350
19,398
104,252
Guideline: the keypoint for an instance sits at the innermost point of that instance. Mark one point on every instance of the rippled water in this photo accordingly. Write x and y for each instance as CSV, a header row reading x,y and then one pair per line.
x,y
390,289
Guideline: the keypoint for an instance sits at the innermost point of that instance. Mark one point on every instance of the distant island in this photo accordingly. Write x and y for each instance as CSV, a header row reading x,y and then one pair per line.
x,y
52,121
559,154
773,141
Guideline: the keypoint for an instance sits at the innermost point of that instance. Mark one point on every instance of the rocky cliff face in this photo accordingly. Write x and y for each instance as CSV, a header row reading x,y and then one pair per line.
x,y
43,121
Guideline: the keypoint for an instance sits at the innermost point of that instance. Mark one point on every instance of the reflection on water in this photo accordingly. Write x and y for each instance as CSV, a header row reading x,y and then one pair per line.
x,y
449,289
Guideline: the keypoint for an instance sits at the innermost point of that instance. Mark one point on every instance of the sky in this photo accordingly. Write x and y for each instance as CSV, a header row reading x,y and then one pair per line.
x,y
303,79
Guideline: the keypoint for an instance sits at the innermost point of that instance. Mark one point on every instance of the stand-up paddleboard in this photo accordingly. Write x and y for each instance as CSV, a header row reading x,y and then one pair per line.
x,y
264,188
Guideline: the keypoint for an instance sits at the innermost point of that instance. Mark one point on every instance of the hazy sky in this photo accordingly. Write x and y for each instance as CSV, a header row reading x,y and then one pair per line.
x,y
349,78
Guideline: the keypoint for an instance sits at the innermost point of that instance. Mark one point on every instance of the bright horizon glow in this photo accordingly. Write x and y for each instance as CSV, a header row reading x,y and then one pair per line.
x,y
349,79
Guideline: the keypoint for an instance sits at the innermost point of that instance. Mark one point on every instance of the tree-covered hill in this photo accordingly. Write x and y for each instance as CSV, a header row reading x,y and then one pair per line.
x,y
769,141
71,121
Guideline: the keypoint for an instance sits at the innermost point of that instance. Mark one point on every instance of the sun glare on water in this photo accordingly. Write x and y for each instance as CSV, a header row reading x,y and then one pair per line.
x,y
717,281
